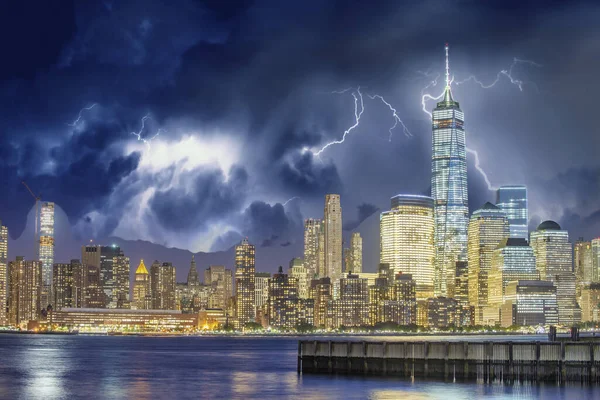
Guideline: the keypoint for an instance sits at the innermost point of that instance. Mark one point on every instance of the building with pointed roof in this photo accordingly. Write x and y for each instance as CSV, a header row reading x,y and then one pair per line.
x,y
141,288
449,188
192,278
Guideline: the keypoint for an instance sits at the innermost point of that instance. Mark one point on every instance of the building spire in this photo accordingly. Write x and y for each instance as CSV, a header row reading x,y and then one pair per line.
x,y
447,92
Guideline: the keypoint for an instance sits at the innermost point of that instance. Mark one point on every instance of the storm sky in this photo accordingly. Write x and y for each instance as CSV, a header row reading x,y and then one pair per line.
x,y
240,96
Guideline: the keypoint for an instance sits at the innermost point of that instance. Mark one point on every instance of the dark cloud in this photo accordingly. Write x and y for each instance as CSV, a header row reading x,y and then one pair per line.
x,y
365,210
270,224
305,175
208,196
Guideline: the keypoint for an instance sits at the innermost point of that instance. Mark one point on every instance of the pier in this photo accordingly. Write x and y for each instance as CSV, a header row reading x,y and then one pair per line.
x,y
486,362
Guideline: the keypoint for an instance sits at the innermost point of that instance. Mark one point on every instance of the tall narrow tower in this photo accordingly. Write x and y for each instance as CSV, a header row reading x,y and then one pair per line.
x,y
449,189
333,236
46,250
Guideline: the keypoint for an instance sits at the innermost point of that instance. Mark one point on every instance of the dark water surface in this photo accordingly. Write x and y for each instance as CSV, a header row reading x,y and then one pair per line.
x,y
114,367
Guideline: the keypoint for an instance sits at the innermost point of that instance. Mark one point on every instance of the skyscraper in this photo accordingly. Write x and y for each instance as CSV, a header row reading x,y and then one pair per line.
x,y
67,285
356,257
513,260
192,278
449,189
554,261
583,264
407,240
244,282
25,290
221,286
488,227
46,250
162,286
120,292
596,260
3,273
513,201
312,237
283,300
332,220
142,299
103,258
301,276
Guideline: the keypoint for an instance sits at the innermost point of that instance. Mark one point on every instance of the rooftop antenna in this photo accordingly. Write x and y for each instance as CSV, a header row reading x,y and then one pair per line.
x,y
447,67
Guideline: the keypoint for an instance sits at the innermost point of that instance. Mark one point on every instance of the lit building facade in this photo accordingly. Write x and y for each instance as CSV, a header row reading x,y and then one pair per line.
x,y
322,293
142,299
513,260
513,201
301,275
529,302
120,292
583,263
332,227
46,250
356,258
407,240
112,275
3,273
444,312
245,270
352,307
67,284
283,301
590,302
449,189
220,281
25,291
163,280
596,260
313,247
261,287
488,227
192,278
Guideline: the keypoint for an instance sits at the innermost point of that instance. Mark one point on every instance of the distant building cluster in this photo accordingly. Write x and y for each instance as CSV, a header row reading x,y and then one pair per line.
x,y
439,267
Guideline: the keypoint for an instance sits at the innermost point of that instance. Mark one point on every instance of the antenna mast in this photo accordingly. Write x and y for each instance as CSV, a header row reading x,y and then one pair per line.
x,y
447,67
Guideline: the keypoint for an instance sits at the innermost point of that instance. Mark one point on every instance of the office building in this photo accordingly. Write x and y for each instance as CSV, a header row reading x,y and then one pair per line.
x,y
407,240
449,189
301,275
93,295
244,283
443,312
488,227
314,253
192,278
3,274
261,288
513,201
142,297
46,250
120,292
220,282
25,291
583,263
322,294
590,302
332,227
352,306
513,260
596,260
162,286
67,284
104,258
529,302
354,262
283,300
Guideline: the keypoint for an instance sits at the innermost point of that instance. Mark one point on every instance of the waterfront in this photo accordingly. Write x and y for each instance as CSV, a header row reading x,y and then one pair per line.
x,y
66,367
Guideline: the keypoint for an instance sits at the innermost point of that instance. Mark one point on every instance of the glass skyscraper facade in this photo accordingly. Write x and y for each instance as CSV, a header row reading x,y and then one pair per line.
x,y
513,201
46,250
449,189
3,273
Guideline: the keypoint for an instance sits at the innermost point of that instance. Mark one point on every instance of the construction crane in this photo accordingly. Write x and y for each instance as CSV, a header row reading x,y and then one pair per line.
x,y
37,217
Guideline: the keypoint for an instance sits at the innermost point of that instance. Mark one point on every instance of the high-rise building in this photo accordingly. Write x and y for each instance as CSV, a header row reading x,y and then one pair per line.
x,y
46,250
301,276
513,260
220,282
313,246
596,260
192,278
261,288
488,227
322,294
590,302
142,298
283,300
332,226
583,263
529,302
104,257
513,201
244,283
554,261
352,307
356,257
407,240
3,273
449,189
120,292
461,283
25,291
67,285
162,286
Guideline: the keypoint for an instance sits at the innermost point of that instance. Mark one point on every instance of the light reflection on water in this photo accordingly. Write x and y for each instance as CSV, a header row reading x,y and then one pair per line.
x,y
66,367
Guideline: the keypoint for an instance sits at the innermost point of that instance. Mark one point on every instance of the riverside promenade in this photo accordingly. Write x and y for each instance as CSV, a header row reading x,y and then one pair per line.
x,y
484,361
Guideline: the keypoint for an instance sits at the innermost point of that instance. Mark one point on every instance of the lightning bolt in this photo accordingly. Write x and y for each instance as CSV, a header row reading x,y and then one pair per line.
x,y
505,72
397,119
138,134
80,115
291,199
478,168
359,108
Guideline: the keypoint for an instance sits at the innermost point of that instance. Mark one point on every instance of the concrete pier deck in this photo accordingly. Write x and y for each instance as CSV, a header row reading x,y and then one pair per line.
x,y
461,360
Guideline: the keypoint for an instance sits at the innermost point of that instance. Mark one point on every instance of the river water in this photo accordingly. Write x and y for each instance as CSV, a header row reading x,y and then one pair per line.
x,y
115,367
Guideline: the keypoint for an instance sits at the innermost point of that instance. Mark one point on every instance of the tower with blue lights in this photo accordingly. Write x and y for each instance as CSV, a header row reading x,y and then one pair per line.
x,y
449,189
